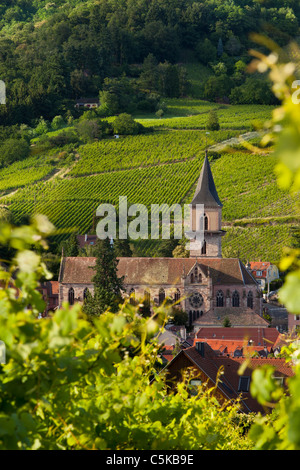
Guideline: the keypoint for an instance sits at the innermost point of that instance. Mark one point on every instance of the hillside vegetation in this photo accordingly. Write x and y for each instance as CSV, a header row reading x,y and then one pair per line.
x,y
159,167
159,69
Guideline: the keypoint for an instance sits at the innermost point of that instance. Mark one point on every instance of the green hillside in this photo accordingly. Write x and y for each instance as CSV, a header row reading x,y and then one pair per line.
x,y
67,184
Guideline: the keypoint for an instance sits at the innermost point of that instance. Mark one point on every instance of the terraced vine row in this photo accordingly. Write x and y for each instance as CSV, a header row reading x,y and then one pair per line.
x,y
254,243
23,173
248,188
239,117
72,202
162,167
145,150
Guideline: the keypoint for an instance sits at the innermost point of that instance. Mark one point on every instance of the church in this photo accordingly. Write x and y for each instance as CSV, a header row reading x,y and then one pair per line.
x,y
205,285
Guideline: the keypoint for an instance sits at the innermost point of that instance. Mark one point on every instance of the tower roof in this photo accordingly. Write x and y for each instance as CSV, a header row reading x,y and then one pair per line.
x,y
206,192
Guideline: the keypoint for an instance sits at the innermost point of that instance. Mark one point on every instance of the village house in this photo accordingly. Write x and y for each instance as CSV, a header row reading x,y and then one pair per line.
x,y
293,324
264,272
234,342
89,103
203,364
205,285
84,240
49,291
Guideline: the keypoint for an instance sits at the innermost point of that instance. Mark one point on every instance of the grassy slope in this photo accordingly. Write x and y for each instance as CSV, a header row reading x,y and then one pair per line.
x,y
164,167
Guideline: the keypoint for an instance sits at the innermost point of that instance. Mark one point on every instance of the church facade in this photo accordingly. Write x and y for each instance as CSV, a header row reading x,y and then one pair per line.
x,y
208,287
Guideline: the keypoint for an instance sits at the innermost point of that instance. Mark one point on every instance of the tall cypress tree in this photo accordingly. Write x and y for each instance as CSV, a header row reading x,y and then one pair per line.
x,y
107,284
71,247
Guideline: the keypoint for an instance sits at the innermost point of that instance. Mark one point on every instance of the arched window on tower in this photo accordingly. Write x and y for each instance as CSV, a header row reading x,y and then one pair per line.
x,y
220,298
250,300
205,222
235,299
71,296
161,296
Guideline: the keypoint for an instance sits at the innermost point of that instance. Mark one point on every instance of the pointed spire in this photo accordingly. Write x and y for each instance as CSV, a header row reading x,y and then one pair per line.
x,y
206,192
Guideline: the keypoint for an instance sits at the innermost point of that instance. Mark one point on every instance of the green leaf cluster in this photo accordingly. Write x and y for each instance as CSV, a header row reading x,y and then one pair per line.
x,y
68,383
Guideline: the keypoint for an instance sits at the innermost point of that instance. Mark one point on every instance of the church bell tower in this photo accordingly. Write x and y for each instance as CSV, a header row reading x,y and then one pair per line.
x,y
210,219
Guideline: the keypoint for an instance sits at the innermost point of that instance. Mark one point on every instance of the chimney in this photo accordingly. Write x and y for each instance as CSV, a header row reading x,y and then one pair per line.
x,y
200,348
183,333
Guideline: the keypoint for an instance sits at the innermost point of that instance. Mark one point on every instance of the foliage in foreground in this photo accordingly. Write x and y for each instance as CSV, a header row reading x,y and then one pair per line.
x,y
70,384
281,430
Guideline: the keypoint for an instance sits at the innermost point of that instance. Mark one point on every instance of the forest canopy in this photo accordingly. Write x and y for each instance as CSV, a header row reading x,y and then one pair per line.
x,y
54,52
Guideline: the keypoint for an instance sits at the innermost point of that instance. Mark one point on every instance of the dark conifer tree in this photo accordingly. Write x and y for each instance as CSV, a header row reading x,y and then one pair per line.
x,y
122,248
107,284
71,247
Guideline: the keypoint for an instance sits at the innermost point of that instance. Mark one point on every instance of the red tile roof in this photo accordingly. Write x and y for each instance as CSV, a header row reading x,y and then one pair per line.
x,y
54,287
259,336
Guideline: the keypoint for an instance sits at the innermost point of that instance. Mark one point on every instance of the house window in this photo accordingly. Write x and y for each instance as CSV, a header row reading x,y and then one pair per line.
x,y
297,317
161,296
259,273
279,381
235,299
244,383
195,384
250,300
220,298
71,296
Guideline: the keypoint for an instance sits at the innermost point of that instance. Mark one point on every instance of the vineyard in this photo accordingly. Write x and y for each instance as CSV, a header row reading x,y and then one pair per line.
x,y
24,173
162,166
145,150
237,117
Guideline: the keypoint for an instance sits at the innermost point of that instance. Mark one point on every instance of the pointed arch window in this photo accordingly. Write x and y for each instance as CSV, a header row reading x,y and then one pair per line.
x,y
235,299
71,296
177,295
203,249
220,298
85,293
147,298
161,296
132,296
192,278
250,300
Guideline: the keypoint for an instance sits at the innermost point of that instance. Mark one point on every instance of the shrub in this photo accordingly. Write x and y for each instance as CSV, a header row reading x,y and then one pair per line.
x,y
213,121
13,150
125,124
